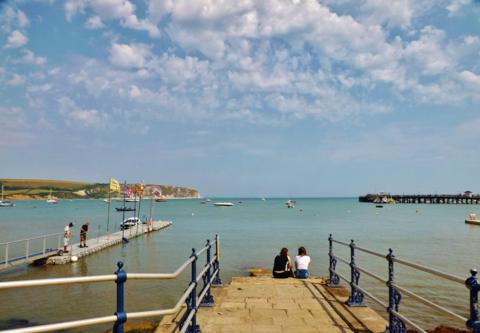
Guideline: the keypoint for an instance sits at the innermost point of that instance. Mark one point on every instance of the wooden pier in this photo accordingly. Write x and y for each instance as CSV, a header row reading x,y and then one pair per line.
x,y
465,199
267,305
103,242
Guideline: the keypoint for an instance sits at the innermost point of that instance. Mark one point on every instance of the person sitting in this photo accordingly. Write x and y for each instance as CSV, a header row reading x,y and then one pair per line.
x,y
302,261
282,266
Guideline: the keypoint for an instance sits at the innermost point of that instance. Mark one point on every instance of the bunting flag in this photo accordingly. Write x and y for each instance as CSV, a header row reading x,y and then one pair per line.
x,y
114,185
127,190
139,189
157,192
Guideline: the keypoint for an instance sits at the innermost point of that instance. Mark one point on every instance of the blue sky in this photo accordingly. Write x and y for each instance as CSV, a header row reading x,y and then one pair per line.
x,y
247,98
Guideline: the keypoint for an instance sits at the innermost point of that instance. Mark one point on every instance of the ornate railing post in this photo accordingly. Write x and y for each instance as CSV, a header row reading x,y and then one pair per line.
x,y
192,304
334,279
120,313
472,284
395,325
217,282
356,296
208,299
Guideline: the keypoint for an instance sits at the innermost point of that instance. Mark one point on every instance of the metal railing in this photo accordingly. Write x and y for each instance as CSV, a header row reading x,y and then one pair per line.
x,y
210,275
398,322
27,248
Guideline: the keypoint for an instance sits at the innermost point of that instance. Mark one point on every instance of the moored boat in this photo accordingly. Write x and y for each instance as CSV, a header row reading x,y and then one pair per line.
x,y
472,219
50,199
290,203
125,209
6,203
223,204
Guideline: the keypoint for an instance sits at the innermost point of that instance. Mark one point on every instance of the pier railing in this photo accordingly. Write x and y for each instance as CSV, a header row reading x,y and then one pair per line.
x,y
28,248
397,321
193,296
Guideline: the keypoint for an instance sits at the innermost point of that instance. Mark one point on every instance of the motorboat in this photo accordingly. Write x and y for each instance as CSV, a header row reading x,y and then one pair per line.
x,y
130,222
132,199
161,199
379,206
223,204
6,203
290,203
472,219
125,209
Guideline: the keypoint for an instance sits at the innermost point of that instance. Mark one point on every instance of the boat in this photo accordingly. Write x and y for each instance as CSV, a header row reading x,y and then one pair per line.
x,y
223,204
125,209
208,200
50,199
6,203
472,219
130,222
203,202
263,199
162,199
106,200
132,199
290,203
379,206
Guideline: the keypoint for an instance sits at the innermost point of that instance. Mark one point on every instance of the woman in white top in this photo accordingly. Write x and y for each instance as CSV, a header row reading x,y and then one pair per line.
x,y
302,262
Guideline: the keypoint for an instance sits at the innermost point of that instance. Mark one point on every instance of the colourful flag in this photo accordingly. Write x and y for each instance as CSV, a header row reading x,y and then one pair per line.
x,y
139,189
157,192
114,185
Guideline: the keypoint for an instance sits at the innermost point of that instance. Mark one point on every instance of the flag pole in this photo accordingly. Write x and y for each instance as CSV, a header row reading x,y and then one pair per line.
x,y
123,211
108,214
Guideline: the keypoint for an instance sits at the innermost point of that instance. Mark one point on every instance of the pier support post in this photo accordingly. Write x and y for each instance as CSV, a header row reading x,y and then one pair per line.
x,y
395,325
356,296
334,279
120,313
208,300
217,282
473,323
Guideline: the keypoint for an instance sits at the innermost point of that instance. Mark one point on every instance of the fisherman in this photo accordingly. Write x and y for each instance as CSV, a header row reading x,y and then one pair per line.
x,y
67,234
83,235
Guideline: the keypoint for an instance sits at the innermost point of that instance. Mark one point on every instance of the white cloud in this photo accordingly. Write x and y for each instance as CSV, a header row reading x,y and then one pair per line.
x,y
16,80
394,13
122,10
471,79
39,88
129,56
22,19
94,22
76,116
456,6
30,58
16,39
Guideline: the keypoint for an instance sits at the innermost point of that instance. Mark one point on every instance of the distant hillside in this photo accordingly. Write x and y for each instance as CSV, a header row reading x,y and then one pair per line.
x,y
39,189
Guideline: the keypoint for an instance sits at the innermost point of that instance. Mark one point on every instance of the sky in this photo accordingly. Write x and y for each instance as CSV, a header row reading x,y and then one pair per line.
x,y
246,97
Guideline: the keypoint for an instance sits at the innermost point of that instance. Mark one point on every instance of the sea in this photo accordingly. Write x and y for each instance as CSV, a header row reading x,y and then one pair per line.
x,y
251,233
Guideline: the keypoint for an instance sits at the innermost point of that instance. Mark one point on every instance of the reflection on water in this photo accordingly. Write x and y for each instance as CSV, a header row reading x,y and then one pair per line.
x,y
251,233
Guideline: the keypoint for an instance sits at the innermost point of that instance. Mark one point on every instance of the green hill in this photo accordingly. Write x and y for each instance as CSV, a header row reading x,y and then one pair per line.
x,y
39,189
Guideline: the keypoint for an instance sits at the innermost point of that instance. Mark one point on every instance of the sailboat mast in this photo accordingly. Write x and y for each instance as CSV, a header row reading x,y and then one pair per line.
x,y
2,192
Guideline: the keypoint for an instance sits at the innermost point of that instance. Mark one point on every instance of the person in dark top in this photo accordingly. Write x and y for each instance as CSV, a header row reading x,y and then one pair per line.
x,y
282,266
83,235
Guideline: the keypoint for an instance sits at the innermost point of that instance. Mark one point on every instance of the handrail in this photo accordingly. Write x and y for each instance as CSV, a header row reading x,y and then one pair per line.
x,y
32,238
120,277
430,270
398,321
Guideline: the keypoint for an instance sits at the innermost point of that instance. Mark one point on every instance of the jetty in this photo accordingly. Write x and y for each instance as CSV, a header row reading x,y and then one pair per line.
x,y
263,304
466,198
41,250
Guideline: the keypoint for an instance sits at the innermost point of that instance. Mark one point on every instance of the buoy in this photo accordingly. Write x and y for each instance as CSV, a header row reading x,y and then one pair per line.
x,y
74,259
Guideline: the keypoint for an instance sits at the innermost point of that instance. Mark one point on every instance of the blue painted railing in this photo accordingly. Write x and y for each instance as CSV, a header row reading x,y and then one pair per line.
x,y
194,296
397,322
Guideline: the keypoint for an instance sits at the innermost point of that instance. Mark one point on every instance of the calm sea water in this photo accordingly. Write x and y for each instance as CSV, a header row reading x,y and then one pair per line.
x,y
251,235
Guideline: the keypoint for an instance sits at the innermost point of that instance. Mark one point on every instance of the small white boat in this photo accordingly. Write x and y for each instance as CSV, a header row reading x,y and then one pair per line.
x,y
223,204
51,200
106,200
6,203
132,200
472,219
263,199
290,203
